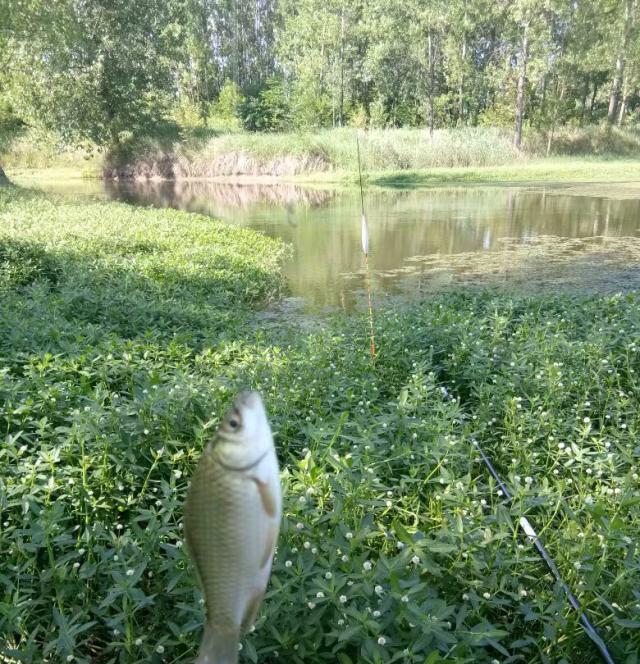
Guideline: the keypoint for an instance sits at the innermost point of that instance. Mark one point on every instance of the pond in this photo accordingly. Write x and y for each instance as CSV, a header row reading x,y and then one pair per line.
x,y
525,237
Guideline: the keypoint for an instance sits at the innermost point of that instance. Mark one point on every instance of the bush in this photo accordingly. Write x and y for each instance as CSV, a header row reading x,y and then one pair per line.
x,y
23,263
266,109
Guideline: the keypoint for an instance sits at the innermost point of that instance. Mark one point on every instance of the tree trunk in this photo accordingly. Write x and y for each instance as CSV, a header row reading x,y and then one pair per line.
x,y
615,90
618,76
593,101
3,178
341,110
583,108
461,88
625,99
520,97
431,85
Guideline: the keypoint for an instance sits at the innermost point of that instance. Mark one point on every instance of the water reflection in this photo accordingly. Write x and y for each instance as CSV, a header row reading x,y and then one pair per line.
x,y
405,227
323,227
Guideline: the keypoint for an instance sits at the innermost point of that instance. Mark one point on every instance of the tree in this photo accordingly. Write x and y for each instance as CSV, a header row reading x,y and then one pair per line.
x,y
92,70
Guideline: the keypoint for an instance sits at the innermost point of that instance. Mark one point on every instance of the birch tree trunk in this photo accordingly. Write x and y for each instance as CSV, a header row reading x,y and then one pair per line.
x,y
615,90
520,97
618,76
431,85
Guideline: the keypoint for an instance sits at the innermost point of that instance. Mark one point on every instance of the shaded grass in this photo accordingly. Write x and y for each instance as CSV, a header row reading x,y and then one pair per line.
x,y
395,544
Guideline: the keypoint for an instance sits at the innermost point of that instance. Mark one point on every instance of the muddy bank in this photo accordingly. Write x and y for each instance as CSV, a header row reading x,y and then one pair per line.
x,y
175,166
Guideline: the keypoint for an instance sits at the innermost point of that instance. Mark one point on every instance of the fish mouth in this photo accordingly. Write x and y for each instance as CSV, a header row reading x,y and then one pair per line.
x,y
248,399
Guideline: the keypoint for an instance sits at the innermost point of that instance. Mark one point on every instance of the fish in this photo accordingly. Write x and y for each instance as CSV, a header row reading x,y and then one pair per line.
x,y
231,524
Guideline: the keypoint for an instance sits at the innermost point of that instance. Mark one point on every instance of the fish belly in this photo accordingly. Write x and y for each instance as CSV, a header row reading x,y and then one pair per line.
x,y
226,533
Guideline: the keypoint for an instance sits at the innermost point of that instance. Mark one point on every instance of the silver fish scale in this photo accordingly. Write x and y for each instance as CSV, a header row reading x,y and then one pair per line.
x,y
225,530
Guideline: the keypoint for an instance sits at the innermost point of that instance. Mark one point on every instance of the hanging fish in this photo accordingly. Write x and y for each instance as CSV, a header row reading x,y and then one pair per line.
x,y
231,524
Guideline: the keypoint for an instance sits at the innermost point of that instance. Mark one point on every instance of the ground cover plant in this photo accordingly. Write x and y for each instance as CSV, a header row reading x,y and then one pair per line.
x,y
124,332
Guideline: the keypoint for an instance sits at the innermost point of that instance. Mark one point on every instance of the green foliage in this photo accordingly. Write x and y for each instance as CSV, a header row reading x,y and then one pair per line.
x,y
229,101
266,109
88,70
23,263
395,545
102,72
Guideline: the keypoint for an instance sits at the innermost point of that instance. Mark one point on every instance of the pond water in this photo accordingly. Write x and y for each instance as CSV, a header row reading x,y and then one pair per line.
x,y
425,240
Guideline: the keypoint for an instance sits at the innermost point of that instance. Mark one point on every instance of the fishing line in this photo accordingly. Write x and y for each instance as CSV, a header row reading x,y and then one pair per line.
x,y
529,531
364,230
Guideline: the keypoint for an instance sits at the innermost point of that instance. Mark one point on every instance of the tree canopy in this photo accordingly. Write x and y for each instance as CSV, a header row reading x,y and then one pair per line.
x,y
99,70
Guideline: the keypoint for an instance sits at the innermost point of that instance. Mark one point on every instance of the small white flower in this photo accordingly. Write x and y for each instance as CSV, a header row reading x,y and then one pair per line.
x,y
349,535
311,605
404,598
328,575
340,622
343,599
70,658
138,641
288,563
381,640
299,526
320,595
415,560
76,565
465,597
367,565
129,572
486,595
307,545
314,549
523,593
160,649
379,590
344,558
376,614
400,545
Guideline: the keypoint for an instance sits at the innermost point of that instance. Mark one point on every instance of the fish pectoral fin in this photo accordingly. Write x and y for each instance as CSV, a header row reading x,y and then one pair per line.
x,y
270,544
251,612
269,502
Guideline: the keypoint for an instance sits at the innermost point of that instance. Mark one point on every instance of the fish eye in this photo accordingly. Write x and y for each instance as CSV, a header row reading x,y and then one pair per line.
x,y
233,423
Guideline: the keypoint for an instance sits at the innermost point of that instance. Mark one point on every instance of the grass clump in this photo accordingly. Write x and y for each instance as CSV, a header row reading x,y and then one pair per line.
x,y
395,545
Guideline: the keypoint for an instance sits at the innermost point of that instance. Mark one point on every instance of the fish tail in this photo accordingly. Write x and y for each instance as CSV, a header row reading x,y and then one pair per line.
x,y
218,647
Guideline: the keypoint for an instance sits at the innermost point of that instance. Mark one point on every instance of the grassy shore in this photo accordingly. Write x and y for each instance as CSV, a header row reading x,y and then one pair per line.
x,y
394,157
569,170
124,330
